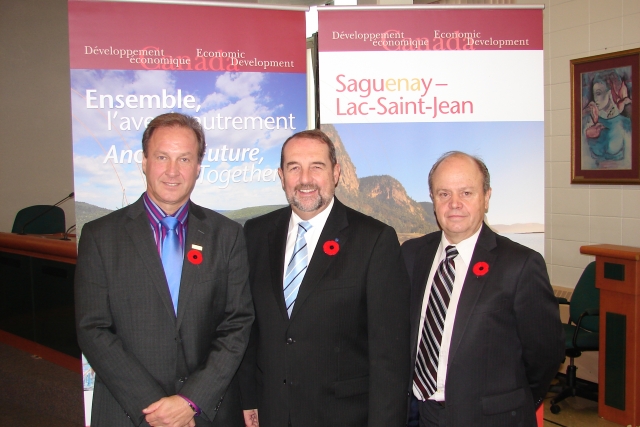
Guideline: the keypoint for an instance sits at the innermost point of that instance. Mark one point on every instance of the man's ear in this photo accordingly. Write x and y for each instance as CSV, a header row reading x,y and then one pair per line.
x,y
281,175
487,196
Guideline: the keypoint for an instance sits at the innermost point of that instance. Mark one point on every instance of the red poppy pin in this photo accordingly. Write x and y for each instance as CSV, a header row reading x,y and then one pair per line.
x,y
194,256
480,268
331,247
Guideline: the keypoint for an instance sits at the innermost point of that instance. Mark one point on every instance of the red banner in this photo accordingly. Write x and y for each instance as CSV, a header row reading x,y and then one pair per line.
x,y
178,38
431,29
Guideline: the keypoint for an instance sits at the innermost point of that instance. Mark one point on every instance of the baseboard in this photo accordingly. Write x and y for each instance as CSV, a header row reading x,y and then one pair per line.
x,y
48,354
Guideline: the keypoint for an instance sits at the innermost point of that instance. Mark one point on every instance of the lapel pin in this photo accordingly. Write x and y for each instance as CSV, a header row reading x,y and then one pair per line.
x,y
480,268
331,247
195,255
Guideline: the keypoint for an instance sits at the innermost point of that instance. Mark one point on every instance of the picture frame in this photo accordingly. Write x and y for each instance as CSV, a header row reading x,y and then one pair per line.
x,y
605,133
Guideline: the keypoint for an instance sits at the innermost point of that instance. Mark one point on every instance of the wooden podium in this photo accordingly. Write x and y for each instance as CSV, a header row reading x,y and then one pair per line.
x,y
618,278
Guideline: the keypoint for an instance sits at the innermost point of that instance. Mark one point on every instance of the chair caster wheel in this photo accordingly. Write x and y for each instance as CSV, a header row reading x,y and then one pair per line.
x,y
555,409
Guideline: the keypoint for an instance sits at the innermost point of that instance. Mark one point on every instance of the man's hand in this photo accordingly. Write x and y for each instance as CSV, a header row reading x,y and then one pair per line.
x,y
172,411
250,417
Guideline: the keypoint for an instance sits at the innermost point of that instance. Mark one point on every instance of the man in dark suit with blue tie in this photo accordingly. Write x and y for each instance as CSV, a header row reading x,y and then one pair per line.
x,y
163,306
330,344
486,337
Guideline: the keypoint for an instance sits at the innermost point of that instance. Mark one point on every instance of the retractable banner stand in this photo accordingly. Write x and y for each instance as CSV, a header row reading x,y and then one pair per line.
x,y
241,71
399,86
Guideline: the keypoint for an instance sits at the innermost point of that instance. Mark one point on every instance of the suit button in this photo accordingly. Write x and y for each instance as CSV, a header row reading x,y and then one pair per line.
x,y
182,379
290,340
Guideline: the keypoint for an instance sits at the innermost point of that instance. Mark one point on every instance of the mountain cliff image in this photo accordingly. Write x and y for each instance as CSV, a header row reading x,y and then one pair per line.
x,y
382,197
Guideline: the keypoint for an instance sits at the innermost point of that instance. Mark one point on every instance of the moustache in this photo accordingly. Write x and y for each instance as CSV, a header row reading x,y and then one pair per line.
x,y
306,187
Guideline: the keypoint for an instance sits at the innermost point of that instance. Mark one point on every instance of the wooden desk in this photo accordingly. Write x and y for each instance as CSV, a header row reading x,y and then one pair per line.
x,y
618,278
36,289
45,246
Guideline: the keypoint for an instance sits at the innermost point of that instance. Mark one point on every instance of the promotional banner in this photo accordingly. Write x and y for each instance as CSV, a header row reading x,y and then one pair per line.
x,y
241,71
401,86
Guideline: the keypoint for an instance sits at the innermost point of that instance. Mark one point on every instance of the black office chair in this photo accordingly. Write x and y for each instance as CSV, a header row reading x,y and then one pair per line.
x,y
36,220
581,334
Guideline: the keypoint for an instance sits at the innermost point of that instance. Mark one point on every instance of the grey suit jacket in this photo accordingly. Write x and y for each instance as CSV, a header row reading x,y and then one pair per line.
x,y
126,324
342,357
507,342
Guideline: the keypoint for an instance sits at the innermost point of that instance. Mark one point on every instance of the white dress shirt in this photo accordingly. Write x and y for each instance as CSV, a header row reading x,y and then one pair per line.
x,y
462,260
312,236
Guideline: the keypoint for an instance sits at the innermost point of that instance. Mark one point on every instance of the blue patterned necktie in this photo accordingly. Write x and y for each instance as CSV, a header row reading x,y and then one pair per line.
x,y
296,268
425,376
172,258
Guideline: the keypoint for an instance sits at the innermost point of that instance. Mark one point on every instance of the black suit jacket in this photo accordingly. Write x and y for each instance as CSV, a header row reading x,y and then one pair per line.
x,y
342,358
507,342
126,324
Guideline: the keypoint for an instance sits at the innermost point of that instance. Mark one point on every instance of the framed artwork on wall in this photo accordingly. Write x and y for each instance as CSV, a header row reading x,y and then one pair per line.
x,y
605,134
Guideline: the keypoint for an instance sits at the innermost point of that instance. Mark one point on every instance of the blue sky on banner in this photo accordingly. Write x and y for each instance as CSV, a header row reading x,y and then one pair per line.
x,y
106,177
513,152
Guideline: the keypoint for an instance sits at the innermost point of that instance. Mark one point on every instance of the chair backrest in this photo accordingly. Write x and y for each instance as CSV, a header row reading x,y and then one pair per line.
x,y
49,223
586,296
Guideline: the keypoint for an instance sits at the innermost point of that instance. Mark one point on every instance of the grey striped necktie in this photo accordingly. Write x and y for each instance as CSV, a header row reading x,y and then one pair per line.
x,y
425,376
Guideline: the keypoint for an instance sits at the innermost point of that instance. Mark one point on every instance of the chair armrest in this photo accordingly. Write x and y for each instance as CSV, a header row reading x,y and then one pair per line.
x,y
587,312
562,300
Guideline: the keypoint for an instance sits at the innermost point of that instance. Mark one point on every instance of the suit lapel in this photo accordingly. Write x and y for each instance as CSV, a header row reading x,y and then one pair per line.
x,y
333,229
423,262
473,286
277,245
198,232
139,230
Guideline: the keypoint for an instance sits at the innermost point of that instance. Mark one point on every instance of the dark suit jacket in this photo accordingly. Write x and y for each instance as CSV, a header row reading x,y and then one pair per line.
x,y
507,342
127,328
342,358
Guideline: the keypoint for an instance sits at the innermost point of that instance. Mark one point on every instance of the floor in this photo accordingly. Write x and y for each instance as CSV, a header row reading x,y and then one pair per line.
x,y
37,393
576,412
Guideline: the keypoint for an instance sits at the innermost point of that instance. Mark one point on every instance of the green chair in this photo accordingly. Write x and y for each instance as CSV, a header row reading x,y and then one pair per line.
x,y
39,219
581,334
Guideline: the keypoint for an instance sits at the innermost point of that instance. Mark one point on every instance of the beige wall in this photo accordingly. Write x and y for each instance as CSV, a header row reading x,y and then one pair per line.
x,y
577,215
35,113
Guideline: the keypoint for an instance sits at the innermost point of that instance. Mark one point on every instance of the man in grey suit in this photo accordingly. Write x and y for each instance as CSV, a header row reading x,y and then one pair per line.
x,y
163,307
486,337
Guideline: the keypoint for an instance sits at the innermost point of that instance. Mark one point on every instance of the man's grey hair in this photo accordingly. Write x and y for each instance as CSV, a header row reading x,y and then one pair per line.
x,y
486,181
319,136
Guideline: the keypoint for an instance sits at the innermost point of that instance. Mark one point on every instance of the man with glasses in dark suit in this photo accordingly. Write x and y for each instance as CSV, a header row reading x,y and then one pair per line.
x,y
330,344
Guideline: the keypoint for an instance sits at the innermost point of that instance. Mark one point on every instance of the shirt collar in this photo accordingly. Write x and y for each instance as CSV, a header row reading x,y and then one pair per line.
x,y
465,248
156,213
319,219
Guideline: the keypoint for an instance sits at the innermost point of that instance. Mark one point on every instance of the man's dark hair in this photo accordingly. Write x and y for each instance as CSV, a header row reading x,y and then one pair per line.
x,y
175,120
486,181
318,135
